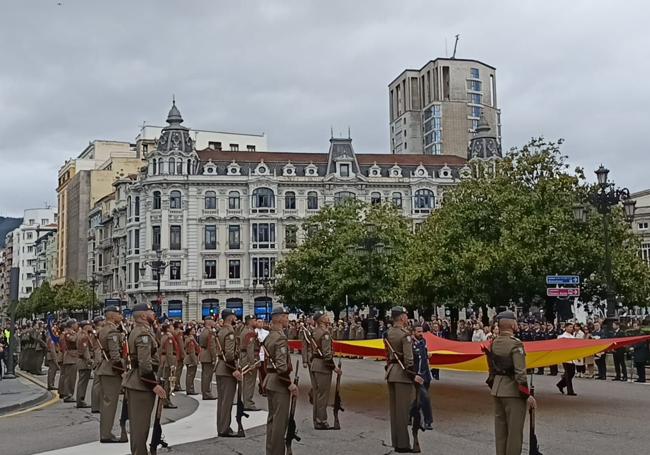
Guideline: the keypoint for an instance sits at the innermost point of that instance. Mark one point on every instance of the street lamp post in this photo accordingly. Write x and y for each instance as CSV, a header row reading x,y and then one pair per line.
x,y
266,282
158,266
606,197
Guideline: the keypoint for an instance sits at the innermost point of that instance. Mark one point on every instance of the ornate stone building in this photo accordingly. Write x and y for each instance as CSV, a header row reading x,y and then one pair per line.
x,y
216,223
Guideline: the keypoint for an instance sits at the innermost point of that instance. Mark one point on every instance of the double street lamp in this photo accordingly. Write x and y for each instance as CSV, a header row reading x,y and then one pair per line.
x,y
158,267
603,199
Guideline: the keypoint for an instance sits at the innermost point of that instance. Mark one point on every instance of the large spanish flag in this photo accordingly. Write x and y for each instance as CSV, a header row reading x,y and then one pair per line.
x,y
466,356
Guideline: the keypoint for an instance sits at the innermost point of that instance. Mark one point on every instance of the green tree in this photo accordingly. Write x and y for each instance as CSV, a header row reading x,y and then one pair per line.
x,y
497,236
74,296
324,269
42,299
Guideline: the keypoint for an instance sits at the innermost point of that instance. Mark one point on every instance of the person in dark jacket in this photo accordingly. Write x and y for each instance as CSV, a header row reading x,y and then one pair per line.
x,y
422,369
640,355
619,355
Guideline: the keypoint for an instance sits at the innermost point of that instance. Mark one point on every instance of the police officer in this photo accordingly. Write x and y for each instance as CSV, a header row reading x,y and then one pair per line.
x,y
227,373
322,366
141,382
110,370
400,376
278,384
85,363
207,357
507,380
248,354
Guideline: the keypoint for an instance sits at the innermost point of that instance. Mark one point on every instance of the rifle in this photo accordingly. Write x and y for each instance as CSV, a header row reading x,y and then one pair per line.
x,y
533,445
337,401
291,427
241,413
310,341
157,438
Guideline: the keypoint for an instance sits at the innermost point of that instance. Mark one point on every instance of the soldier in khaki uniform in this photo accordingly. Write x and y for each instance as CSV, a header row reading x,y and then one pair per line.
x,y
322,366
179,348
111,341
278,384
399,349
168,359
507,380
248,355
227,373
95,394
208,358
54,357
70,360
141,382
39,342
191,360
85,363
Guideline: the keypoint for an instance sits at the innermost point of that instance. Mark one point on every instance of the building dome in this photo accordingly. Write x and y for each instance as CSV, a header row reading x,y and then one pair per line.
x,y
175,137
484,144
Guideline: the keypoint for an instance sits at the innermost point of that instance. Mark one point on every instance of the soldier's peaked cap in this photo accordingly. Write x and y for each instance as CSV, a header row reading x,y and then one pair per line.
x,y
397,311
142,307
279,310
317,315
70,322
111,309
227,312
85,322
506,315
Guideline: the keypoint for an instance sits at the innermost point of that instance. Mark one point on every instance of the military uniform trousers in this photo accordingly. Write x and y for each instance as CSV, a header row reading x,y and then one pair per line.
x,y
207,371
39,357
400,397
110,387
69,373
189,378
509,418
226,389
248,389
178,374
277,421
95,393
52,368
82,384
323,384
166,374
141,405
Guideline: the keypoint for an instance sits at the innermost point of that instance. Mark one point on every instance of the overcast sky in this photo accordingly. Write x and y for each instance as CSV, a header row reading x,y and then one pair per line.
x,y
91,69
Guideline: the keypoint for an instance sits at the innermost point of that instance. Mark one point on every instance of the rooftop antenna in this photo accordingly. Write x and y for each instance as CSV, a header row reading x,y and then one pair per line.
x,y
331,132
455,46
349,137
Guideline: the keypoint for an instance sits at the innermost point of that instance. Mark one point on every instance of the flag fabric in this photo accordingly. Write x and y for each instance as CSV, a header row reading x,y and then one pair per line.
x,y
467,356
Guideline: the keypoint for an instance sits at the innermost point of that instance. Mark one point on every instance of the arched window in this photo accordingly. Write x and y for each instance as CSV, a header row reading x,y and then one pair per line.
x,y
397,200
234,202
172,166
154,167
290,200
160,167
128,207
156,200
179,166
136,208
312,200
210,200
175,200
209,307
375,198
263,199
189,167
424,200
343,196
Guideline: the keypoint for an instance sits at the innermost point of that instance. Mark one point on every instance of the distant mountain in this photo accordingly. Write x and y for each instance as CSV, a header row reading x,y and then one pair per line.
x,y
7,225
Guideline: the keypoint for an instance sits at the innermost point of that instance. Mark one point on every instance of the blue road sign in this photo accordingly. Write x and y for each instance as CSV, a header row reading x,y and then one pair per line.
x,y
563,279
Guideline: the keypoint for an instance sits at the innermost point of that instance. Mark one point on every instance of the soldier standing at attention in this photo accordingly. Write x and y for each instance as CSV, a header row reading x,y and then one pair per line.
x,y
507,380
278,384
248,354
179,347
207,357
40,348
85,363
54,358
140,382
322,366
167,360
400,380
306,353
70,359
191,360
110,370
95,394
227,373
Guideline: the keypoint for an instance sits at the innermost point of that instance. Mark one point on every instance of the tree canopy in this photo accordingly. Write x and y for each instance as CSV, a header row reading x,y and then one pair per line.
x,y
70,296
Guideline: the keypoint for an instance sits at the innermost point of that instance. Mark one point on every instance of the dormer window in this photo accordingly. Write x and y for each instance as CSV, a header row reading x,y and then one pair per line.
x,y
396,171
234,169
344,170
311,170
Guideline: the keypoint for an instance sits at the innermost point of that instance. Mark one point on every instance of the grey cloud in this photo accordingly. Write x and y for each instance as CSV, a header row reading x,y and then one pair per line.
x,y
96,69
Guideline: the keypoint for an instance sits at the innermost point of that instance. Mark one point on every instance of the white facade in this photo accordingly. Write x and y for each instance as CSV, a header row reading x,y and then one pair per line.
x,y
222,220
641,223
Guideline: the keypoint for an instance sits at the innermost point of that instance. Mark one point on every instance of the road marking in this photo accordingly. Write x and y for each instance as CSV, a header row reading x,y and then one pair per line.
x,y
55,398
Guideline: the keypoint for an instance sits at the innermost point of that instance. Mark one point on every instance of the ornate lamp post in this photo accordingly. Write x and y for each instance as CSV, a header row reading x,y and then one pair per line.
x,y
267,283
157,266
606,197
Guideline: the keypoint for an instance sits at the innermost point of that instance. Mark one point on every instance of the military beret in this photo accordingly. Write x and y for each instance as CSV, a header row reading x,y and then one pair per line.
x,y
397,311
98,319
506,315
317,315
85,322
227,312
142,307
248,318
279,310
112,308
70,322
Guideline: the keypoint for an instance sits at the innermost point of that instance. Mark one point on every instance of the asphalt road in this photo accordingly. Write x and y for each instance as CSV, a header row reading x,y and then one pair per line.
x,y
605,417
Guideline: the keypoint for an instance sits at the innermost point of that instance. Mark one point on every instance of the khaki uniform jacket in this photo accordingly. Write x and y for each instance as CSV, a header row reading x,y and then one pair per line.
x,y
53,351
278,378
111,341
226,351
38,337
324,363
510,351
85,353
70,353
191,351
400,339
179,346
305,334
208,346
167,350
143,349
247,344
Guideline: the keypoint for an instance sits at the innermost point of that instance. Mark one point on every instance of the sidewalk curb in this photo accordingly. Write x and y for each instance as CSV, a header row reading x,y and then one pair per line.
x,y
42,400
